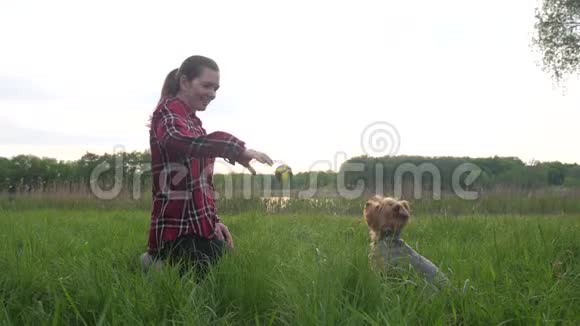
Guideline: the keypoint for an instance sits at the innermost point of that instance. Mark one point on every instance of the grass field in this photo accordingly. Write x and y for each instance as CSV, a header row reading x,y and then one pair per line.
x,y
80,266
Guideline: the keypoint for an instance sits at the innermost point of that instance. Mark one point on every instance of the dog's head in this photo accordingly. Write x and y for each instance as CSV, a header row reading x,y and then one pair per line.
x,y
384,214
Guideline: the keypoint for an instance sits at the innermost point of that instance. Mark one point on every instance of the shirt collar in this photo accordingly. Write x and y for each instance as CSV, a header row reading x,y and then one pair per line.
x,y
192,113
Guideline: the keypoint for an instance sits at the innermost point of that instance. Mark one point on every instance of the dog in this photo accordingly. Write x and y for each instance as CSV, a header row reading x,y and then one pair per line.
x,y
386,217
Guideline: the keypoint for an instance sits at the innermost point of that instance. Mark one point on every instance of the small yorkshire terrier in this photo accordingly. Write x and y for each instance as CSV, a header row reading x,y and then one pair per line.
x,y
386,217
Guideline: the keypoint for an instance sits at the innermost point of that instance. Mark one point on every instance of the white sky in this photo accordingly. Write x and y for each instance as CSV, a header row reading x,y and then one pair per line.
x,y
300,80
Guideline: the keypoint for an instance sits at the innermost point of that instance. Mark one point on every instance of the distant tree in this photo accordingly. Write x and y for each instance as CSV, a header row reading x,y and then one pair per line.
x,y
573,179
556,173
557,36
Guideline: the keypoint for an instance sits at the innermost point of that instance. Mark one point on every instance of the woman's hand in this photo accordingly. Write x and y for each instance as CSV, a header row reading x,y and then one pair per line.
x,y
223,233
250,154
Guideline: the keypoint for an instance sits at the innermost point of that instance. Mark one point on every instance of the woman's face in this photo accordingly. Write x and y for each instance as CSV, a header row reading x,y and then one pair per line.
x,y
200,91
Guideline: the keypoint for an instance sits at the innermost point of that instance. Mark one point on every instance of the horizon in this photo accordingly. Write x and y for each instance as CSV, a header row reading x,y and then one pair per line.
x,y
274,166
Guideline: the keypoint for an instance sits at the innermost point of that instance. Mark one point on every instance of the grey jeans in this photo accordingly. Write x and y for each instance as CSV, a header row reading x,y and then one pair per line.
x,y
395,252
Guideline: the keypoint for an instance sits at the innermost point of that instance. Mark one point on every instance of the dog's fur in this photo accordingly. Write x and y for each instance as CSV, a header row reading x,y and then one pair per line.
x,y
386,215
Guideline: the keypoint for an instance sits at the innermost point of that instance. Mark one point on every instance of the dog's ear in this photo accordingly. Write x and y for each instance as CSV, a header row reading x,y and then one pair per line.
x,y
371,206
371,209
400,217
402,209
405,204
373,203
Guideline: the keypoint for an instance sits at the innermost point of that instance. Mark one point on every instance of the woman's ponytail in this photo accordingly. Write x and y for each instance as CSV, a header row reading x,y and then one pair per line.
x,y
171,84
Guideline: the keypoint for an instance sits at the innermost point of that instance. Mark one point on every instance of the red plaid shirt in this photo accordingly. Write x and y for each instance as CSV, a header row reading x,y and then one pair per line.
x,y
182,158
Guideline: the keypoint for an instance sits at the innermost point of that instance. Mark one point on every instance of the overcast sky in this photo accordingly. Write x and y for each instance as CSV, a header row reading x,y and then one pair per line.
x,y
300,80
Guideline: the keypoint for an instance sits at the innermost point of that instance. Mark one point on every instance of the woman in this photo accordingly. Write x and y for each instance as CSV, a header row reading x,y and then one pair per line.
x,y
185,225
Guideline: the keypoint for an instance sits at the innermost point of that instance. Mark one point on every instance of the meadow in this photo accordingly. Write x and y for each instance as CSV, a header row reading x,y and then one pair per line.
x,y
77,264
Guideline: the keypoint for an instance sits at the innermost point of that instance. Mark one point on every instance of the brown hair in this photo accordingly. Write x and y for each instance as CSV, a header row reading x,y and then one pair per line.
x,y
190,68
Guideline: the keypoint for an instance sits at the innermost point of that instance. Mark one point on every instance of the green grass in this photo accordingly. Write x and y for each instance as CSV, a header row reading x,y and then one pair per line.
x,y
488,204
80,266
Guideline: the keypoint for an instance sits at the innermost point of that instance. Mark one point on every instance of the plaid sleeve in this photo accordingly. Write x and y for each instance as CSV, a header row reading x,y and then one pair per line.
x,y
172,131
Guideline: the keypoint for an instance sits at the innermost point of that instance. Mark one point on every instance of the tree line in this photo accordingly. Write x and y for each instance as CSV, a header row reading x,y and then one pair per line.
x,y
26,173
